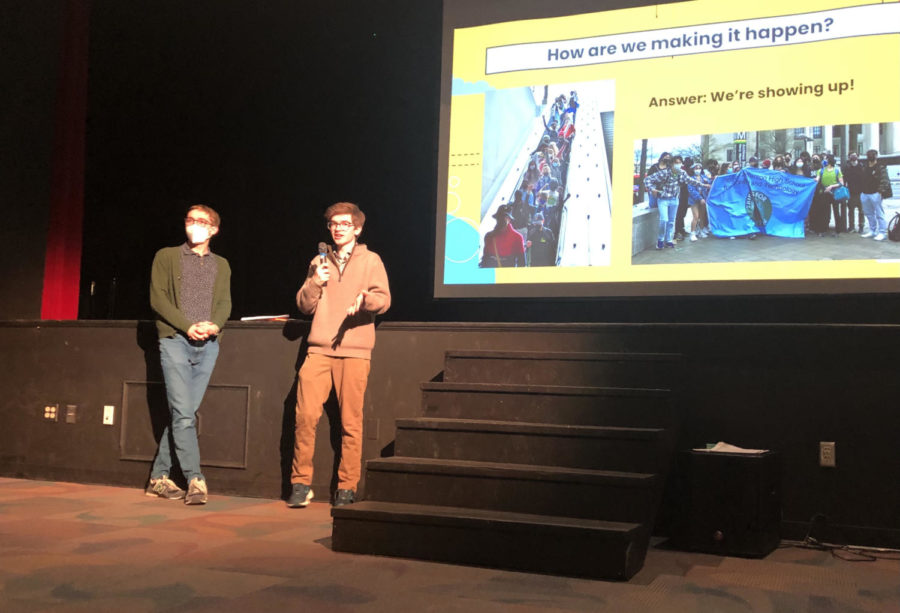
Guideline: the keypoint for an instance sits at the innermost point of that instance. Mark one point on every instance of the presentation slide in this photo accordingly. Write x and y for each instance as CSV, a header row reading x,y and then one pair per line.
x,y
696,147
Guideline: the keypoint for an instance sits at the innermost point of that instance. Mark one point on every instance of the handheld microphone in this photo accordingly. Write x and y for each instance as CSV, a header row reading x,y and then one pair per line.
x,y
323,254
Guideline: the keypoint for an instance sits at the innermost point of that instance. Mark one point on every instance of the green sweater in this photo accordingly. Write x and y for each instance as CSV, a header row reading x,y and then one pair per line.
x,y
165,292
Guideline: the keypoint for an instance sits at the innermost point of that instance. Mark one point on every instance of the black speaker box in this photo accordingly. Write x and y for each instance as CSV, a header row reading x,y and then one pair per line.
x,y
732,503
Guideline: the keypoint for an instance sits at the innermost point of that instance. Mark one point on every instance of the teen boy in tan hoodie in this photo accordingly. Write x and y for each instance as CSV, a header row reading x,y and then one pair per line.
x,y
343,291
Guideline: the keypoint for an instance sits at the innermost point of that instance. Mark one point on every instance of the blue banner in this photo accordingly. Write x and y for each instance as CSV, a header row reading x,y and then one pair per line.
x,y
756,201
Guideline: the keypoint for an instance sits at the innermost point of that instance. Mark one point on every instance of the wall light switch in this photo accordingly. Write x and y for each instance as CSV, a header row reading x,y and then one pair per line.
x,y
371,428
109,415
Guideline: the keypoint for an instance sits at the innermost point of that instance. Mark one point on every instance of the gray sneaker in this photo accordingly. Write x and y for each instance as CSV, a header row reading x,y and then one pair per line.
x,y
164,487
300,495
344,497
196,493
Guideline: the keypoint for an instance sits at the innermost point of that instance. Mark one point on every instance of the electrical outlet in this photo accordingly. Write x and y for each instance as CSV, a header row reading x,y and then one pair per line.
x,y
826,454
51,412
71,413
109,415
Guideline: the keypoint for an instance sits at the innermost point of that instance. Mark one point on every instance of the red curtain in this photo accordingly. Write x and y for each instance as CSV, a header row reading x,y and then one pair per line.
x,y
62,264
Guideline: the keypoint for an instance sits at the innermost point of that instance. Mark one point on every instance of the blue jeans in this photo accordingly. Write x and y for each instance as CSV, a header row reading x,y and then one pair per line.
x,y
873,208
187,366
667,209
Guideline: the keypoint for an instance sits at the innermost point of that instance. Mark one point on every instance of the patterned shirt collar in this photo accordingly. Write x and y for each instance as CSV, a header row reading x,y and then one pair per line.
x,y
186,250
342,260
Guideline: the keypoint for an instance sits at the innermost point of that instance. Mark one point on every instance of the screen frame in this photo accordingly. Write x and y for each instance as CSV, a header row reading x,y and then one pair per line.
x,y
469,13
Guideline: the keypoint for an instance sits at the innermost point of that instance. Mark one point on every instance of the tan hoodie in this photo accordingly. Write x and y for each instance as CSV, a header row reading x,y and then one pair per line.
x,y
334,332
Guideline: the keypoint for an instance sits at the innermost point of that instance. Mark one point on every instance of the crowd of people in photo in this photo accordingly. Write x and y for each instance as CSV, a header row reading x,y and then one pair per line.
x,y
527,228
848,197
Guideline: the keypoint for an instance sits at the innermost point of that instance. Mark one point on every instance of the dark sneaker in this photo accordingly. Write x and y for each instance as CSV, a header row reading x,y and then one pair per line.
x,y
164,488
301,495
196,493
342,497
659,244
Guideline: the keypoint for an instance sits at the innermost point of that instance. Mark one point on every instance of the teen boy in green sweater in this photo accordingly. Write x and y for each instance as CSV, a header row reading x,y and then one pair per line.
x,y
190,292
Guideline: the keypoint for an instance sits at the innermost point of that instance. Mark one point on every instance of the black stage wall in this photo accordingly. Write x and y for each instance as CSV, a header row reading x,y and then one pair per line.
x,y
269,112
32,36
782,387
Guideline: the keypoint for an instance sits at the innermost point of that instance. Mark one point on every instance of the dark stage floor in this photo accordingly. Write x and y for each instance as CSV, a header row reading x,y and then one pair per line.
x,y
73,547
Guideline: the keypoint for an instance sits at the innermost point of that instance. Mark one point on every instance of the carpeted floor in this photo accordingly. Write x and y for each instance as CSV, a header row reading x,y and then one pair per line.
x,y
73,547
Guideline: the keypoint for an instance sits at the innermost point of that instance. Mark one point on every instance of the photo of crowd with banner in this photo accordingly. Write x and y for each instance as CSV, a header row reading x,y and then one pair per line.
x,y
785,184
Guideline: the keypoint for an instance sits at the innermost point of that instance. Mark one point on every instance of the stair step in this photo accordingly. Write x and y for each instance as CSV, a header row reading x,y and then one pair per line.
x,y
516,541
551,404
594,447
503,470
564,368
482,425
519,488
462,516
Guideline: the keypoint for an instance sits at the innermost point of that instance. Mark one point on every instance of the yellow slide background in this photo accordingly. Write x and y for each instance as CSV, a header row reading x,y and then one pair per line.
x,y
872,62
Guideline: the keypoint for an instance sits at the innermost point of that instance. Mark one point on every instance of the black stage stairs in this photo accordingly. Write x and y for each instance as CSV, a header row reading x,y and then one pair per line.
x,y
536,461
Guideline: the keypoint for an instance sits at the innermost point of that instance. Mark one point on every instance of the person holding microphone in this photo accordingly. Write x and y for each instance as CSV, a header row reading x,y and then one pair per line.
x,y
346,286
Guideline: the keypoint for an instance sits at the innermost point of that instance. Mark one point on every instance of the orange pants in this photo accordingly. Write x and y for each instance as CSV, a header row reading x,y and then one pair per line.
x,y
349,377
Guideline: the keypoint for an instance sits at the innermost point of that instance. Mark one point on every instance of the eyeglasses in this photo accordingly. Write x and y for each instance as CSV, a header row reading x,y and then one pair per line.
x,y
340,225
188,221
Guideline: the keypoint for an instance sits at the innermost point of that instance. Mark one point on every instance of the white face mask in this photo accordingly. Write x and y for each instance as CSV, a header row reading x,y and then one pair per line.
x,y
677,166
197,234
854,162
799,164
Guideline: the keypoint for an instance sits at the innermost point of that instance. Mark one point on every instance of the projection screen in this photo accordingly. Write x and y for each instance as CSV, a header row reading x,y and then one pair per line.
x,y
553,127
